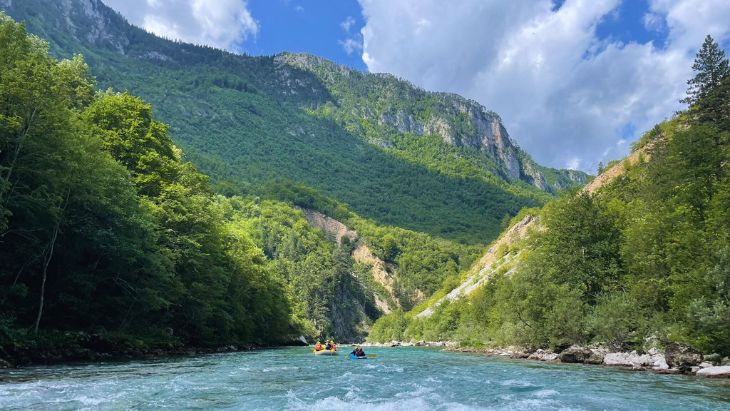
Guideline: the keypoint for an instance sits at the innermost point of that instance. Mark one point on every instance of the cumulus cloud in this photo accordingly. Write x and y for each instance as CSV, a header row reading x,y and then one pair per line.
x,y
219,23
570,98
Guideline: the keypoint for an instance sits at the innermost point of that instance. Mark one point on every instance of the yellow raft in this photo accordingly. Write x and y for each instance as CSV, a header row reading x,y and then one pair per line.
x,y
325,352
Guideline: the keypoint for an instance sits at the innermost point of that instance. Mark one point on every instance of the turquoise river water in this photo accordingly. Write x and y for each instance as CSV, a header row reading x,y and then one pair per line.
x,y
398,379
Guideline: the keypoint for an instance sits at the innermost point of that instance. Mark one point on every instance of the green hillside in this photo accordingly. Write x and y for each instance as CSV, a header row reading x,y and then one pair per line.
x,y
641,257
260,123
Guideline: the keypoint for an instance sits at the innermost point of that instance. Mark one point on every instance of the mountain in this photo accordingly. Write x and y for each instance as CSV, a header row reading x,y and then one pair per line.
x,y
302,129
638,259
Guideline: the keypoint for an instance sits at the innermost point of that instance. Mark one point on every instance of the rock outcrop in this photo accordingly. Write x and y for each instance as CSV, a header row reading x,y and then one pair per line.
x,y
399,107
575,354
490,263
382,272
682,357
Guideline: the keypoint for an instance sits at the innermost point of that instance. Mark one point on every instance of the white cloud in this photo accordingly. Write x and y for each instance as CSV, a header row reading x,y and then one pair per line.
x,y
350,45
347,23
220,23
565,95
353,42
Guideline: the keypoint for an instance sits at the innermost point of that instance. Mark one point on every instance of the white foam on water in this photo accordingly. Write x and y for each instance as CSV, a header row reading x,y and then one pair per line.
x,y
534,404
339,404
545,393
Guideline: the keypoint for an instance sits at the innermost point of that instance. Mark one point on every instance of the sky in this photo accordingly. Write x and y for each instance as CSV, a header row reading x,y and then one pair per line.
x,y
574,81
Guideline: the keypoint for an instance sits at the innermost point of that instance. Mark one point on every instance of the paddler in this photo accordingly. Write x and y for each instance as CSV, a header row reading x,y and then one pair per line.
x,y
358,352
318,346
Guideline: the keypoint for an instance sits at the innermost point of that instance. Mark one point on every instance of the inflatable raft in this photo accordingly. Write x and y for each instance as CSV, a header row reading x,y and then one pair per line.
x,y
325,352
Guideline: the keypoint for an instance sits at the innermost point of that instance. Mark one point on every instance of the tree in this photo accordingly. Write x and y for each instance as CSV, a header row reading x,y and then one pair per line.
x,y
711,67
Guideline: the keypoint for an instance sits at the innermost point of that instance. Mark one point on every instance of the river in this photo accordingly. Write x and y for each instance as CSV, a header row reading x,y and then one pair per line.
x,y
398,379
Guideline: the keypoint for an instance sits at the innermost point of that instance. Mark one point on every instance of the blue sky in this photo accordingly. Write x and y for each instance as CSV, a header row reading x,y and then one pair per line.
x,y
312,26
575,81
316,26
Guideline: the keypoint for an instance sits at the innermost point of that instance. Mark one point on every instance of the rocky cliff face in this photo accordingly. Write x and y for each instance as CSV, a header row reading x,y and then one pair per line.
x,y
381,272
401,107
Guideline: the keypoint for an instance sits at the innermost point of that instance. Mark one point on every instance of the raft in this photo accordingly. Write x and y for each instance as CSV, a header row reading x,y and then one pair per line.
x,y
325,352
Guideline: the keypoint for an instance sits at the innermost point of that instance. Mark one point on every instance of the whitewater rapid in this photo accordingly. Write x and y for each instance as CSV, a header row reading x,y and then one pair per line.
x,y
402,378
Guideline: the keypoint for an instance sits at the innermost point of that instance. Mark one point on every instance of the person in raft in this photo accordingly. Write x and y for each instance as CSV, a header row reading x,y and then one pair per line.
x,y
318,346
358,352
331,346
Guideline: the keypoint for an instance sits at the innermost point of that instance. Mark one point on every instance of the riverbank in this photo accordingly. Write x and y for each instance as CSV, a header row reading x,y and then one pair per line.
x,y
70,347
675,359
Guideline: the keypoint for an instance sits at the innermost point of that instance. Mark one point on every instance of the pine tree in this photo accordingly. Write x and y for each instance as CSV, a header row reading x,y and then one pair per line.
x,y
711,67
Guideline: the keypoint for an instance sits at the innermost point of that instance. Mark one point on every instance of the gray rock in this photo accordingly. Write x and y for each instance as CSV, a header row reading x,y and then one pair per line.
x,y
715,372
575,354
682,356
542,355
595,358
660,362
628,359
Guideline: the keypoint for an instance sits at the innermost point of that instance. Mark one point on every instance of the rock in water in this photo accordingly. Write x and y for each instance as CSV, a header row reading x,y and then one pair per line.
x,y
715,372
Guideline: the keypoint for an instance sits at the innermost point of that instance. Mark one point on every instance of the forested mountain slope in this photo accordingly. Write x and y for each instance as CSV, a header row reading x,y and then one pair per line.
x,y
274,126
641,256
111,241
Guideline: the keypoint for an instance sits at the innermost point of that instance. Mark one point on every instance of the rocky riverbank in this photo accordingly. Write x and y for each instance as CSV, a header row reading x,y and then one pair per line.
x,y
673,359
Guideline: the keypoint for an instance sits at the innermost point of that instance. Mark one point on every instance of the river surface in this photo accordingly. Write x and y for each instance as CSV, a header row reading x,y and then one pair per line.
x,y
398,379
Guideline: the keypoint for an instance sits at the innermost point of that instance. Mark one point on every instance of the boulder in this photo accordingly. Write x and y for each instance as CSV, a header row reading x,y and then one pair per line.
x,y
595,358
575,354
682,356
5,364
660,362
706,364
542,355
715,372
628,359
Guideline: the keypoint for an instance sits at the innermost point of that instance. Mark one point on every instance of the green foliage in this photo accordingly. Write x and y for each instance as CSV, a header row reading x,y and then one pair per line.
x,y
711,67
647,254
617,319
267,126
106,229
